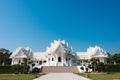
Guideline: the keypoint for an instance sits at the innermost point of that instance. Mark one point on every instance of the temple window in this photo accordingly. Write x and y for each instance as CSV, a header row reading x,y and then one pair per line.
x,y
44,61
40,62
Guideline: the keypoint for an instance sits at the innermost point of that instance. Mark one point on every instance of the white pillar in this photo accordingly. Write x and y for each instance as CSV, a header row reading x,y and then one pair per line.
x,y
56,61
62,58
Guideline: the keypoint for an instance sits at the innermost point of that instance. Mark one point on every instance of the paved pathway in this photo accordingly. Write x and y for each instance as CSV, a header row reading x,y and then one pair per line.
x,y
61,76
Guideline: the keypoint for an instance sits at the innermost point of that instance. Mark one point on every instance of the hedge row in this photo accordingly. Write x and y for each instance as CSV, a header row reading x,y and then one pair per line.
x,y
6,69
112,68
25,69
14,69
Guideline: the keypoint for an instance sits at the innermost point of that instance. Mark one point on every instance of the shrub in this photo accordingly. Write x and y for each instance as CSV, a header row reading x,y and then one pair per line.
x,y
82,68
100,67
35,70
20,69
112,68
6,69
14,69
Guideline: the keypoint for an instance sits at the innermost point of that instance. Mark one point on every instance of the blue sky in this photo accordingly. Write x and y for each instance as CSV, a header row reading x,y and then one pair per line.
x,y
82,23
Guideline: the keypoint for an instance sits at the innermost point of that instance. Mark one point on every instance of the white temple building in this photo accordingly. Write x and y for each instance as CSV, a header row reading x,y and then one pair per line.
x,y
58,54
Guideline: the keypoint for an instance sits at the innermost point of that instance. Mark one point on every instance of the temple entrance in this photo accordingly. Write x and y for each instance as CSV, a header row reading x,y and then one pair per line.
x,y
59,59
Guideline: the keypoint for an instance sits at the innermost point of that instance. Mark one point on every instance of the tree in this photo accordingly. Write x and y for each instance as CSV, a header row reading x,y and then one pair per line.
x,y
24,61
116,58
4,56
90,66
96,65
110,59
94,62
25,65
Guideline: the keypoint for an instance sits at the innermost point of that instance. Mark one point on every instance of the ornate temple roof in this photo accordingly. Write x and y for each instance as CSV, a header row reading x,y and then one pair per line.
x,y
56,44
95,52
21,52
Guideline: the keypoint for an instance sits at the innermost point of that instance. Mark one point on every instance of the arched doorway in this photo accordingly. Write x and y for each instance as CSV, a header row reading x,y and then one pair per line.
x,y
59,59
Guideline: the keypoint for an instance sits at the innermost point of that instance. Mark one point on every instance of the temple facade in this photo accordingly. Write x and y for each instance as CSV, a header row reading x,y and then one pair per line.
x,y
58,54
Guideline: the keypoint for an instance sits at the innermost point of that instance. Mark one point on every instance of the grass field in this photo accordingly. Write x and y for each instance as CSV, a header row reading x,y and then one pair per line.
x,y
108,76
17,76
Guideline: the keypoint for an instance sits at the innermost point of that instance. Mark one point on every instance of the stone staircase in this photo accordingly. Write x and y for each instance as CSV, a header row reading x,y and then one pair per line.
x,y
60,69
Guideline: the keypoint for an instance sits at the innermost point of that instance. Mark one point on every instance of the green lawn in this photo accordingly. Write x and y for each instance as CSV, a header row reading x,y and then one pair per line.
x,y
17,76
108,76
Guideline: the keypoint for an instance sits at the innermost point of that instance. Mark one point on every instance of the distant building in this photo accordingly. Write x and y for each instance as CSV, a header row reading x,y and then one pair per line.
x,y
58,54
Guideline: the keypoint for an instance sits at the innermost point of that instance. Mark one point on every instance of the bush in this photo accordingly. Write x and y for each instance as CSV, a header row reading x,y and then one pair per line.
x,y
82,68
101,67
6,69
35,70
20,69
17,68
112,68
14,69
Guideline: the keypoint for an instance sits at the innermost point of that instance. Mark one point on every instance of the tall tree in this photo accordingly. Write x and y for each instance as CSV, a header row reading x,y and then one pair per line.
x,y
96,65
116,58
4,56
110,59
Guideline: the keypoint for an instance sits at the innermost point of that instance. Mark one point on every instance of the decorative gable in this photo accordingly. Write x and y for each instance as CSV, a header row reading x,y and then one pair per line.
x,y
21,54
59,46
